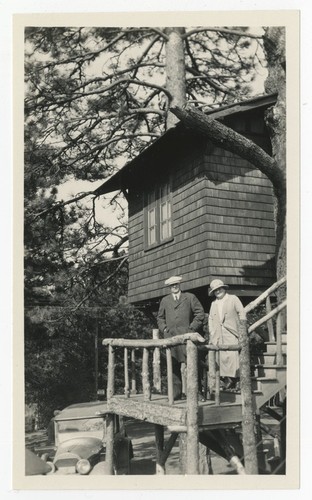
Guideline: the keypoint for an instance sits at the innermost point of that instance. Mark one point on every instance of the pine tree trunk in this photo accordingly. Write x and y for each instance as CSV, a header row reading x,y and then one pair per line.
x,y
175,71
274,46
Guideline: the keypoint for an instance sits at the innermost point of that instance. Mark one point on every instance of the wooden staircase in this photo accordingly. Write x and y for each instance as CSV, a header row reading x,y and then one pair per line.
x,y
213,422
268,379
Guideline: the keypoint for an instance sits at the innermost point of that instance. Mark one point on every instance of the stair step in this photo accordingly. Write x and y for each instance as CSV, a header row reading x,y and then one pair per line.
x,y
265,371
257,383
269,358
271,347
284,337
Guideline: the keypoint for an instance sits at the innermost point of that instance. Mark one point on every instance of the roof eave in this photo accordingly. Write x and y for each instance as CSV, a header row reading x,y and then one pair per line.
x,y
119,180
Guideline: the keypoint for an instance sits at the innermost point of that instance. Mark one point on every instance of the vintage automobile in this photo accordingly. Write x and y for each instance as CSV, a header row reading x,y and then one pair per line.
x,y
80,442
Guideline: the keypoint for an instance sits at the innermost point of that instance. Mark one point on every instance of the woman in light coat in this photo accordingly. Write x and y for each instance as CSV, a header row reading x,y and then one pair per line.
x,y
223,323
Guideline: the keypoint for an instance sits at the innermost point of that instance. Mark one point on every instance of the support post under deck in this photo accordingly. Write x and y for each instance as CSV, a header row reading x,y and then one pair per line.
x,y
110,443
159,440
192,446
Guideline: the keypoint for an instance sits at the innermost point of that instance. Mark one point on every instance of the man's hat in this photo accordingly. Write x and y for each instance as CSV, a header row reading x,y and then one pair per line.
x,y
173,280
215,284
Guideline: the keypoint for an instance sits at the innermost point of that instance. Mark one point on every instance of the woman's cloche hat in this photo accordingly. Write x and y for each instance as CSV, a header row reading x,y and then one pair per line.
x,y
173,280
215,284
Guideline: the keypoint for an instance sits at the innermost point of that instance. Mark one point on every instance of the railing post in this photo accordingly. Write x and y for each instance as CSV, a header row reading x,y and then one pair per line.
x,y
183,378
156,364
279,347
133,380
126,368
169,375
192,436
248,422
268,309
211,372
111,372
217,381
145,376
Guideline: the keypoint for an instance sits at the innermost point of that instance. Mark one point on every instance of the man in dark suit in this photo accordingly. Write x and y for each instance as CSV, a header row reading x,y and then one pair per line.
x,y
179,313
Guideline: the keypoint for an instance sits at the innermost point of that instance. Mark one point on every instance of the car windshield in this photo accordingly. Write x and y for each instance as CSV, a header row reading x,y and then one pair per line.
x,y
91,427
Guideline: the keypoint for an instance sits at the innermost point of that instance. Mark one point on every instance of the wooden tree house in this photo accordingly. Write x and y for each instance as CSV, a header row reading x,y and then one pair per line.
x,y
197,210
200,211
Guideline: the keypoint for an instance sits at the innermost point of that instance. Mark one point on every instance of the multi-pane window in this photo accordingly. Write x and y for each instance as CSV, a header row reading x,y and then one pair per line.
x,y
165,213
158,219
151,219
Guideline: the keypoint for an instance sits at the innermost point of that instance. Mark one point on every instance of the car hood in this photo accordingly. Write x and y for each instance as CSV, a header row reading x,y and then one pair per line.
x,y
81,447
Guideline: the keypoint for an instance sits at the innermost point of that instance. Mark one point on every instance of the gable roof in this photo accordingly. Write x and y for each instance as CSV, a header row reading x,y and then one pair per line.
x,y
171,139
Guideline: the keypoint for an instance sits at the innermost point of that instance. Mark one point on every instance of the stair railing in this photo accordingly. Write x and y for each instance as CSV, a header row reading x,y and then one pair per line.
x,y
265,295
277,312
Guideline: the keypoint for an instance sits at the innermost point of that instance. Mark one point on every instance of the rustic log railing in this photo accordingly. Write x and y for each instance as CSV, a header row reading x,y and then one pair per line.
x,y
148,345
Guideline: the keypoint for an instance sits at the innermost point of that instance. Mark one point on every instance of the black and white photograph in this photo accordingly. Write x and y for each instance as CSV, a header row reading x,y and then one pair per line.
x,y
158,160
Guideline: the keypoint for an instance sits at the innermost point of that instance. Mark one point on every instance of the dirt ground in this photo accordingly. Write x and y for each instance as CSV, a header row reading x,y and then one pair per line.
x,y
143,441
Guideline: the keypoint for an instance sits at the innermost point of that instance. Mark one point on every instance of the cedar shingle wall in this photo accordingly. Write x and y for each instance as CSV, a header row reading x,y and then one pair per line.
x,y
222,225
148,269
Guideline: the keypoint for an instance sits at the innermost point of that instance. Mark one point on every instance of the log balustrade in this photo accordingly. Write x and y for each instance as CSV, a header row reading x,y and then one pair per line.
x,y
150,346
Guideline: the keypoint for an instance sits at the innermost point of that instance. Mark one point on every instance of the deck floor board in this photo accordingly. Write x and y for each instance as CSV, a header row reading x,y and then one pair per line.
x,y
158,410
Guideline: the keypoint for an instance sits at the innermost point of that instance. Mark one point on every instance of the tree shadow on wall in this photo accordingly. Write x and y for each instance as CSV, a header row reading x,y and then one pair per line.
x,y
265,272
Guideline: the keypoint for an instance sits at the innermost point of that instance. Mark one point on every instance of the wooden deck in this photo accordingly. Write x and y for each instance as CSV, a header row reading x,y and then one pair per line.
x,y
210,423
159,411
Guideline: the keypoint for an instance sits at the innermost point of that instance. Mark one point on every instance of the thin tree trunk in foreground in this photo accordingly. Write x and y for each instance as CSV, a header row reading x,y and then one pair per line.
x,y
248,419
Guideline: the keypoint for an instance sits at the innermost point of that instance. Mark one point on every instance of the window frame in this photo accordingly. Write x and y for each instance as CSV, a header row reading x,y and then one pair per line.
x,y
153,201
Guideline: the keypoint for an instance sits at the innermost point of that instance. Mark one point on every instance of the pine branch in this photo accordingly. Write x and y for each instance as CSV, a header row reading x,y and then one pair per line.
x,y
160,33
214,85
111,141
60,204
134,67
61,100
107,279
221,30
89,56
